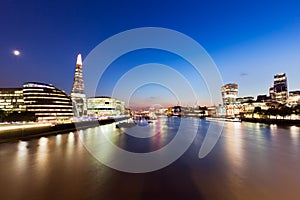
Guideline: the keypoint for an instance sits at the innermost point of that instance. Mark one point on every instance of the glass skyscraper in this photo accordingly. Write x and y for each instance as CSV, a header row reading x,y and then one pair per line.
x,y
229,94
77,95
280,88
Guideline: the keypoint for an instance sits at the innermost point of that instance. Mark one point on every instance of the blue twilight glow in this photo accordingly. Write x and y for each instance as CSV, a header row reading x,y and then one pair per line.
x,y
249,41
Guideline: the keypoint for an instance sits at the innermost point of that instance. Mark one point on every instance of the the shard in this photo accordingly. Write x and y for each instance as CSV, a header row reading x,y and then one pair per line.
x,y
78,95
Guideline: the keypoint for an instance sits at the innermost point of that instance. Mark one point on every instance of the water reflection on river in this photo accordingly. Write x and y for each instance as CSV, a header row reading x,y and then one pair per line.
x,y
250,161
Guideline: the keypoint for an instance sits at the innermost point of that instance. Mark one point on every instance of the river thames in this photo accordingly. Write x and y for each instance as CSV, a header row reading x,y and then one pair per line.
x,y
249,161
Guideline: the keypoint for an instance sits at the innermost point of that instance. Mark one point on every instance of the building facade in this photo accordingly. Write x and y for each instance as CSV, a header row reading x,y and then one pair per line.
x,y
229,93
244,99
280,88
263,98
78,95
105,106
294,98
11,99
47,102
250,106
229,96
272,93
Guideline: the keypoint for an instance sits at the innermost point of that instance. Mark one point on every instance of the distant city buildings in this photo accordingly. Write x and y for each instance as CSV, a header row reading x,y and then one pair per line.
x,y
244,99
11,99
78,95
105,106
249,107
278,98
272,93
49,103
263,98
230,99
294,98
175,111
294,93
229,94
280,88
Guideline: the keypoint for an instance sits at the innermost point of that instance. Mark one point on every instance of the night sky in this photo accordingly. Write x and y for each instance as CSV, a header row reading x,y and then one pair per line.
x,y
249,41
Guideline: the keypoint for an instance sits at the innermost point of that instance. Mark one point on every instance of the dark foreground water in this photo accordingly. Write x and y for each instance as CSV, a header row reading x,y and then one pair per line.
x,y
250,161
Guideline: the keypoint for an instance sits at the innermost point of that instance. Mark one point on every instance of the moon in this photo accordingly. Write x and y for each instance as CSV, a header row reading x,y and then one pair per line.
x,y
16,52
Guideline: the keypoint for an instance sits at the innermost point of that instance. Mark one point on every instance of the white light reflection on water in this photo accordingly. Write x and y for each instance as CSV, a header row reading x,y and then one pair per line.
x,y
43,142
71,136
22,147
58,139
108,136
157,140
247,163
21,158
273,128
295,132
70,143
235,144
41,160
99,140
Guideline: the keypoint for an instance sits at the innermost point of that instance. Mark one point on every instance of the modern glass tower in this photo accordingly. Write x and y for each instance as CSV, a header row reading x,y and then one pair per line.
x,y
229,94
77,95
280,88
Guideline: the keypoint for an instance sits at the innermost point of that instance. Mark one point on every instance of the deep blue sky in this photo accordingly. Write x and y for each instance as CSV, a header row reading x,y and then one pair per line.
x,y
249,41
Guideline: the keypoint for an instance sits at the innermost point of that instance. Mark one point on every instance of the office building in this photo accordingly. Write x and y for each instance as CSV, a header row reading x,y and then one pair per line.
x,y
47,102
272,93
244,99
231,102
294,93
280,88
11,99
294,98
105,106
229,93
263,98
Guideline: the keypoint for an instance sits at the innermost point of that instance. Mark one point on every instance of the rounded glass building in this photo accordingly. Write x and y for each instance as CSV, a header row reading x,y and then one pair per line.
x,y
47,102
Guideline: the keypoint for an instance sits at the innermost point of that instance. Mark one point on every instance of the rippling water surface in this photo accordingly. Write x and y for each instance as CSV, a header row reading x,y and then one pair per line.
x,y
249,161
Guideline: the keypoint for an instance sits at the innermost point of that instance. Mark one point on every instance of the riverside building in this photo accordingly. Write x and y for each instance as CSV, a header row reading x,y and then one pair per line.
x,y
229,96
280,88
294,98
47,102
11,99
105,106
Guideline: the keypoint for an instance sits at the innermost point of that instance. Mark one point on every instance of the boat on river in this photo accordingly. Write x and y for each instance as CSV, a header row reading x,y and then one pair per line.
x,y
228,119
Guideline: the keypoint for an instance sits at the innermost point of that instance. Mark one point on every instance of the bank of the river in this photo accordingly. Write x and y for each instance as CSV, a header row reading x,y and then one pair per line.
x,y
289,122
39,131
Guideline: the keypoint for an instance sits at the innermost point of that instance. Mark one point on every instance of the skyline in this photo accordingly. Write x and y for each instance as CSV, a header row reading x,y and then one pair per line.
x,y
257,40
